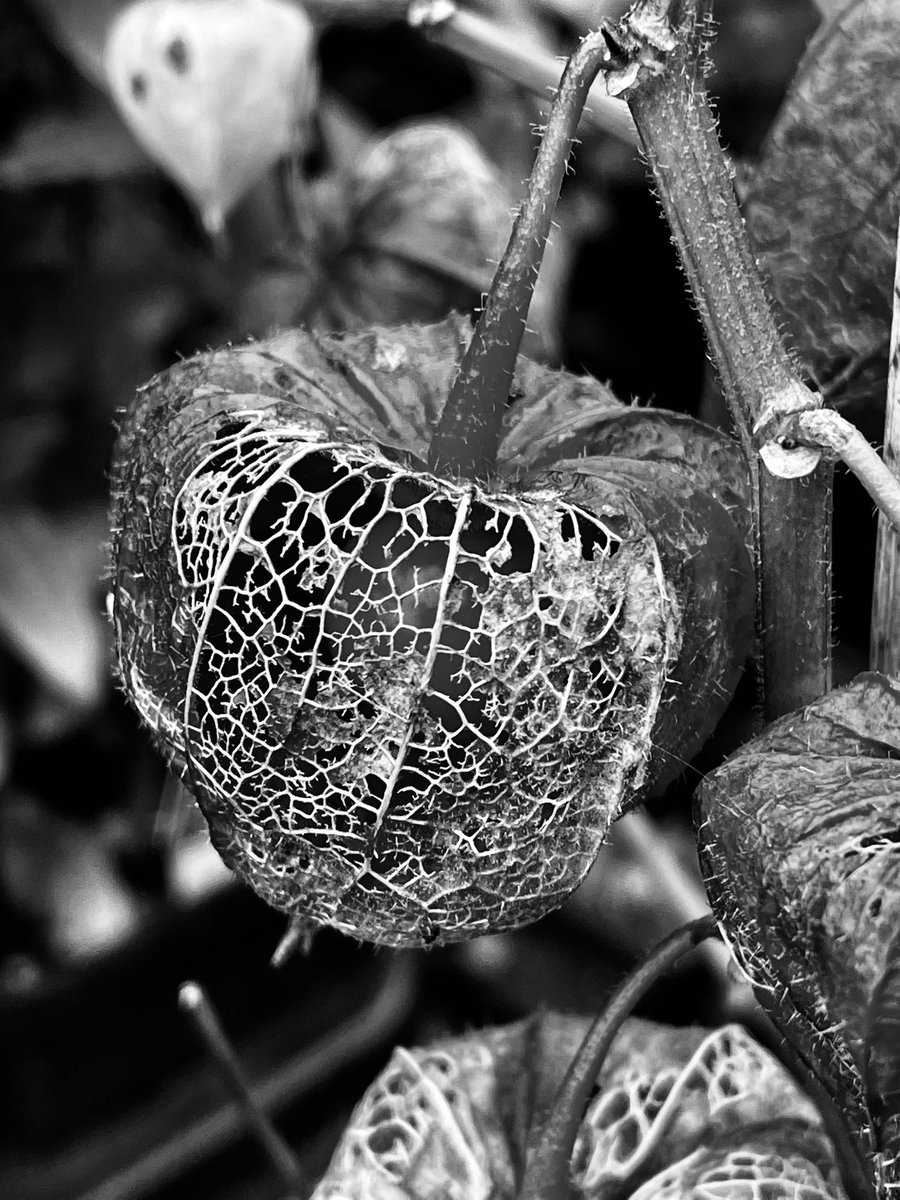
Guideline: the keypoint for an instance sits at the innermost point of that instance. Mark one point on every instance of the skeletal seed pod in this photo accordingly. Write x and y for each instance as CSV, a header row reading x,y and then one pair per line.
x,y
215,90
410,707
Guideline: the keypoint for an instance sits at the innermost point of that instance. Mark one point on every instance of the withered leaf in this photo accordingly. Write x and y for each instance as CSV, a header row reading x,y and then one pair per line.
x,y
679,1112
822,205
801,846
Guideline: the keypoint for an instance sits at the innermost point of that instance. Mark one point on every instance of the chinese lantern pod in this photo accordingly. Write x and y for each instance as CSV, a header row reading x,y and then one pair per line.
x,y
215,90
677,1113
800,838
411,707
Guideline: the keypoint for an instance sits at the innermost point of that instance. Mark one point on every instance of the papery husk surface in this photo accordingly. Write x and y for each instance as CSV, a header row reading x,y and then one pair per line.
x,y
678,1113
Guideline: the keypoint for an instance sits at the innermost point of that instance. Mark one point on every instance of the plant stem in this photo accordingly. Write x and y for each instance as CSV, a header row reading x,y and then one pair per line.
x,y
500,49
885,640
657,64
547,1172
195,1002
468,434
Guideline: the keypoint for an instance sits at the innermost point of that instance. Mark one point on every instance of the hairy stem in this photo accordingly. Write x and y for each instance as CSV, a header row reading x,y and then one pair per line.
x,y
658,67
547,1172
468,434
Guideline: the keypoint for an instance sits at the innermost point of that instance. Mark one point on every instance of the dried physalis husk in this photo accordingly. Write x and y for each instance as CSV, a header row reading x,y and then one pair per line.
x,y
678,1114
429,220
215,90
410,707
412,233
801,844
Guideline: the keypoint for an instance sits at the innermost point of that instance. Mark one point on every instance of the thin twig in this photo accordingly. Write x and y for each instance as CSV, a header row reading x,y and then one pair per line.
x,y
495,46
547,1172
885,640
195,1002
827,430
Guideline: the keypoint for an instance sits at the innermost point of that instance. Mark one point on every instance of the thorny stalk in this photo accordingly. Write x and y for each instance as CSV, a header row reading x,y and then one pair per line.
x,y
658,62
547,1171
885,641
468,434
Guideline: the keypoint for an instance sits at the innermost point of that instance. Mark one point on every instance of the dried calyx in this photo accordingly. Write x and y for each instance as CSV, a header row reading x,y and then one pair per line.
x,y
800,837
676,1112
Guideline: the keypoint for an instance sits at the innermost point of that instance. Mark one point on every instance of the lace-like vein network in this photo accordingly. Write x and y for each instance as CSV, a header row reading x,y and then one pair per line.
x,y
383,657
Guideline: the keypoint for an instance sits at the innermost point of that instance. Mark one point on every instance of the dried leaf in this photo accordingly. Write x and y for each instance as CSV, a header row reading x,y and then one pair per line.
x,y
411,707
801,844
823,204
679,1113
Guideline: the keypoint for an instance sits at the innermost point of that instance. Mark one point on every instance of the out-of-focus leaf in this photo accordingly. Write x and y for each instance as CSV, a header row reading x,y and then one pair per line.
x,y
58,873
216,90
679,1113
49,589
24,440
822,206
801,845
80,28
644,886
59,148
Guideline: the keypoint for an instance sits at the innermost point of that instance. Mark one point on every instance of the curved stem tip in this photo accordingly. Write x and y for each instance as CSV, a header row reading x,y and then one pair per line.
x,y
547,1173
468,434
